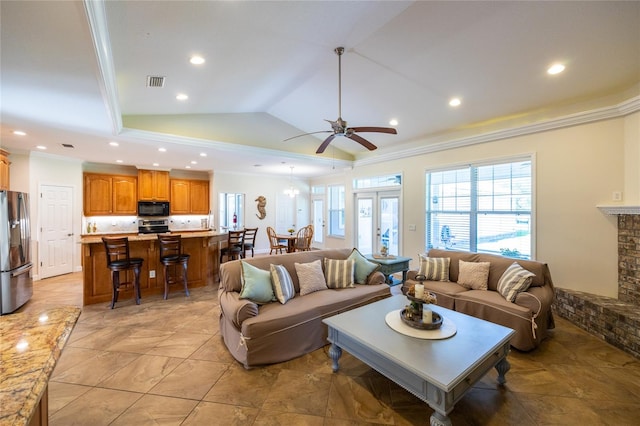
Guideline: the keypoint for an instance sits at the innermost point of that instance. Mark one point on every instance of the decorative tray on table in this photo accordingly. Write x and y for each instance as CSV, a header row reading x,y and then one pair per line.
x,y
412,314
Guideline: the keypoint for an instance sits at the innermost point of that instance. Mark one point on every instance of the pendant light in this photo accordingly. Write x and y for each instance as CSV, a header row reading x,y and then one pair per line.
x,y
292,191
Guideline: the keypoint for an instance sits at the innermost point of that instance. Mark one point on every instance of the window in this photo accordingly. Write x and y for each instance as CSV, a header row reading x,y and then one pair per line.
x,y
336,211
231,210
481,208
378,181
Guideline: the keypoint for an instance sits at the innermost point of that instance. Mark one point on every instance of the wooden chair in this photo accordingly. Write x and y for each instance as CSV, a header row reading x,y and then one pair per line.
x,y
171,256
303,239
235,246
249,240
118,259
274,244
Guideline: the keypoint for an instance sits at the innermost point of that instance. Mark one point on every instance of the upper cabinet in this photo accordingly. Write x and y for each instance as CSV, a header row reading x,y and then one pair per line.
x,y
153,185
189,196
4,170
110,195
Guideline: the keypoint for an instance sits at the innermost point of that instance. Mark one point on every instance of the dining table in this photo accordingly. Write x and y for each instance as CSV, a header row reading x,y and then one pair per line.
x,y
291,241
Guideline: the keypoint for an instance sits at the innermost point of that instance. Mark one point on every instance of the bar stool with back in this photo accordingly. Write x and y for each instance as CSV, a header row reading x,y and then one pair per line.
x,y
235,246
118,259
249,241
171,256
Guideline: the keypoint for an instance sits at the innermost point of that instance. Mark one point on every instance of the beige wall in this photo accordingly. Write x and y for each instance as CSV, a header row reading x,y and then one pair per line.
x,y
575,169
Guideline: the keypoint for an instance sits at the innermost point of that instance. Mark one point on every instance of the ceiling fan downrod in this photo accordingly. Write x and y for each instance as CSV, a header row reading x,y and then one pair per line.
x,y
339,51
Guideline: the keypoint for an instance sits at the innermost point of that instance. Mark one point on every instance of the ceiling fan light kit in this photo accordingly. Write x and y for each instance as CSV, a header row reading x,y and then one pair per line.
x,y
340,127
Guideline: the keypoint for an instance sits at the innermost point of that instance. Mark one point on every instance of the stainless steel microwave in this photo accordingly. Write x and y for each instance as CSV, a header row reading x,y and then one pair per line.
x,y
153,208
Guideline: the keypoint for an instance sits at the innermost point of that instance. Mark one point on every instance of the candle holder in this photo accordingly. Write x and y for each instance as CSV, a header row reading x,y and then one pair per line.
x,y
413,312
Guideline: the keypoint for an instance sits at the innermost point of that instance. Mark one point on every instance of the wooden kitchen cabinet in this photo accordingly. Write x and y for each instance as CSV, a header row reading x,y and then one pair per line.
x,y
189,196
106,195
4,170
153,185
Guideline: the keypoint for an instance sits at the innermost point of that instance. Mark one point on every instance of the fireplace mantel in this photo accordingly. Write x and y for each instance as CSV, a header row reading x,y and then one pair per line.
x,y
619,209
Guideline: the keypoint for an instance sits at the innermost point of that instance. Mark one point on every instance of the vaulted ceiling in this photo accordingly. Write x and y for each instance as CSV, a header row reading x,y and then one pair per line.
x,y
76,73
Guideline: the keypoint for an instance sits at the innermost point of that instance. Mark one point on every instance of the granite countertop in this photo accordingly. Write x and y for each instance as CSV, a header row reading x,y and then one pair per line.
x,y
30,346
97,238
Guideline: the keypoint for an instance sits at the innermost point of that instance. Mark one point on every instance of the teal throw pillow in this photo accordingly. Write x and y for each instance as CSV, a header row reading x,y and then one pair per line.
x,y
256,284
363,267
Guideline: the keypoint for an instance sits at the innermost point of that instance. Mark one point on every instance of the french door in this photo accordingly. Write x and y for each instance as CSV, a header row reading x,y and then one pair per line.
x,y
378,221
317,219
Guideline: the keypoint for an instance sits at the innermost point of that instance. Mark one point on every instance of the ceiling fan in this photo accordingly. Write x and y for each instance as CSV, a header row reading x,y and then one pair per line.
x,y
340,126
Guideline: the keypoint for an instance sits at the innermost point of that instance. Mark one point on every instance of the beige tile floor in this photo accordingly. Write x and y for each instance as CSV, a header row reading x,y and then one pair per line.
x,y
163,362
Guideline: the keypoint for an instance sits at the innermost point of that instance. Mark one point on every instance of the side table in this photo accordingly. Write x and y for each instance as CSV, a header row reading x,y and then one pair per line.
x,y
390,265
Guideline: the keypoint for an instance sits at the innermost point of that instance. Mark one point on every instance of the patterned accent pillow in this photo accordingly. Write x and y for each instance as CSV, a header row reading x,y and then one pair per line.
x,y
474,275
514,280
256,284
363,267
282,283
310,277
339,273
434,268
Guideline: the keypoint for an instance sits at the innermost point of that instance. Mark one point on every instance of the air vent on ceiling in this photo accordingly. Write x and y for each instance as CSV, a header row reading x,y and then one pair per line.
x,y
155,81
67,145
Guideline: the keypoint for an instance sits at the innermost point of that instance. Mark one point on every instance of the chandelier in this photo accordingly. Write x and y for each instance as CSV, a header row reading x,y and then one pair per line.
x,y
292,191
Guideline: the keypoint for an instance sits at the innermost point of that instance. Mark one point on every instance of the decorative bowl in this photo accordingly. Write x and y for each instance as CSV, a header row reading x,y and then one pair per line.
x,y
417,322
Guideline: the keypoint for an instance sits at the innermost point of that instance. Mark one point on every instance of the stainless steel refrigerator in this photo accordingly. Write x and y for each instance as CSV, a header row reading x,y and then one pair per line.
x,y
15,251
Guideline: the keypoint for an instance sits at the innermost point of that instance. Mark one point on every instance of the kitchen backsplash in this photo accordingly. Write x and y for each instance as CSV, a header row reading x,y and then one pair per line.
x,y
129,224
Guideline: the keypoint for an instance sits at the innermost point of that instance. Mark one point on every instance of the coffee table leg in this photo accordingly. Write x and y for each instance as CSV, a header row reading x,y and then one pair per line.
x,y
439,419
335,352
502,367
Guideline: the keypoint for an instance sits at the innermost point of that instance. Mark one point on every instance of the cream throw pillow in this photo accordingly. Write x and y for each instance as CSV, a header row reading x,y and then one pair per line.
x,y
310,277
474,275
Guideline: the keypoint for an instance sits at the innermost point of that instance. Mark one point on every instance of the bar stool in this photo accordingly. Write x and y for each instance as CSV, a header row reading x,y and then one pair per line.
x,y
171,256
235,246
118,259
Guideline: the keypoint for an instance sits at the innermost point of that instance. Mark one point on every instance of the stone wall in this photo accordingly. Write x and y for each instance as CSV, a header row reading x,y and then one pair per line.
x,y
629,259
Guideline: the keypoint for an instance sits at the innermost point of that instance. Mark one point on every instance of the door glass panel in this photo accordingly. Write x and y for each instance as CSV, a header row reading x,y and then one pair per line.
x,y
365,225
318,221
389,224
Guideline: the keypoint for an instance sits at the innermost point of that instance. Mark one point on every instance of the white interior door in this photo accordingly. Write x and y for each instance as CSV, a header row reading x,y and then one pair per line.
x,y
56,229
378,221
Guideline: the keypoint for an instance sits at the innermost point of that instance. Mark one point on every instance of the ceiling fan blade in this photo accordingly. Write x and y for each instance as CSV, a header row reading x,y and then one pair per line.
x,y
362,141
390,130
305,134
325,144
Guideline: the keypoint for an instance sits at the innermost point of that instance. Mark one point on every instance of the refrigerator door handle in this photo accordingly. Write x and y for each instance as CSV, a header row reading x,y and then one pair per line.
x,y
21,270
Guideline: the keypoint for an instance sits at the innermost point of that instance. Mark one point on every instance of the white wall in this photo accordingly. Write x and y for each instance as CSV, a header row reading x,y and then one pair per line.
x,y
575,169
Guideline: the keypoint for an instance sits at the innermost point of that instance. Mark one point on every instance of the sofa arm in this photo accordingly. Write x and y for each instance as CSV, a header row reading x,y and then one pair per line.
x,y
376,277
411,274
236,309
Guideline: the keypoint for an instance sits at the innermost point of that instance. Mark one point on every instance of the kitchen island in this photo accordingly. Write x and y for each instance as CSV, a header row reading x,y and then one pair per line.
x,y
202,246
31,345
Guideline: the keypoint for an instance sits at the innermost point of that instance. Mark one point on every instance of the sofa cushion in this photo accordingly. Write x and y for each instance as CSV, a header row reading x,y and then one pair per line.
x,y
310,277
363,267
514,280
256,284
474,275
282,283
434,268
339,273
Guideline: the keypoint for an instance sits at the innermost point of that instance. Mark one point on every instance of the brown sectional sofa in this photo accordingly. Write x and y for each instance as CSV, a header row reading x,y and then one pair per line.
x,y
275,332
530,316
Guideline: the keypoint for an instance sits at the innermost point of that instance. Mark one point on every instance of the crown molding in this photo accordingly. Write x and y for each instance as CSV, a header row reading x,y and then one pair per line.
x,y
615,111
619,209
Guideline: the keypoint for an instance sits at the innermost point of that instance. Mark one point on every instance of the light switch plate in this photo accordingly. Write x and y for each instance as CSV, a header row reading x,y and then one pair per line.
x,y
616,196
412,227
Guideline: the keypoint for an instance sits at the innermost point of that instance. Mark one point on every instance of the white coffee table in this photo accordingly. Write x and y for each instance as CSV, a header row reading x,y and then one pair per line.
x,y
438,372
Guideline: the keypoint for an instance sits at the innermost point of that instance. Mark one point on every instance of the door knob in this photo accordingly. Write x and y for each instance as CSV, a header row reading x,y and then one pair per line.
x,y
69,235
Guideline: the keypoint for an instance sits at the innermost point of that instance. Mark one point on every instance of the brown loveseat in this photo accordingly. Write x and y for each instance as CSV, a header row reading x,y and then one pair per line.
x,y
529,315
275,332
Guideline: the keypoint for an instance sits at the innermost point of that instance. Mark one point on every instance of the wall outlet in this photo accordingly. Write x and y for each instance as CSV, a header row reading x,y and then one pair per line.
x,y
412,227
152,274
616,196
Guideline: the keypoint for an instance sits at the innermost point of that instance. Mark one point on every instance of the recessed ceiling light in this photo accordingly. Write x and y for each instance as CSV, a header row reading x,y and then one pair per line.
x,y
187,167
118,161
393,122
454,102
19,133
555,69
182,97
41,147
113,143
194,162
203,154
156,164
196,60
162,149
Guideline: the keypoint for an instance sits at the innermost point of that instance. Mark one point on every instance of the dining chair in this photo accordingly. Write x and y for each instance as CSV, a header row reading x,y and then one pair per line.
x,y
235,246
249,240
118,260
274,244
171,256
301,242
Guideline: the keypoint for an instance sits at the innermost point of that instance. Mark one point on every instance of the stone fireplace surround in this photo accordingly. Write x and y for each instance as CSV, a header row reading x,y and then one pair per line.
x,y
616,321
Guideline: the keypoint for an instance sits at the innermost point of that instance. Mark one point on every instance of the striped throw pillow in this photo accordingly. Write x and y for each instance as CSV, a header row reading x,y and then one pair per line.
x,y
514,280
282,283
434,268
339,273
